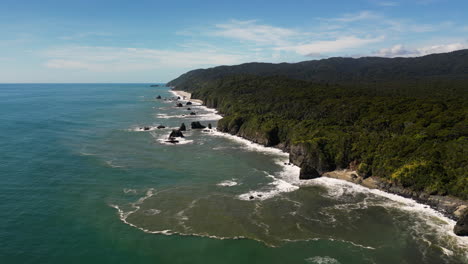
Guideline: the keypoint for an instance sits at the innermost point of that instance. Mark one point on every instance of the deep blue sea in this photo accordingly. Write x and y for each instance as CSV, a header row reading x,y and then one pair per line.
x,y
82,181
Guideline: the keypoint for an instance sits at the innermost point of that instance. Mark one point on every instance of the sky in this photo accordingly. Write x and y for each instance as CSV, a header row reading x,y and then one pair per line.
x,y
156,41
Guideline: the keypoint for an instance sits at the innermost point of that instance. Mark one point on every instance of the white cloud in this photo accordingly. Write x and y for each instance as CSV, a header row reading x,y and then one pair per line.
x,y
363,15
387,3
401,51
331,46
253,32
112,59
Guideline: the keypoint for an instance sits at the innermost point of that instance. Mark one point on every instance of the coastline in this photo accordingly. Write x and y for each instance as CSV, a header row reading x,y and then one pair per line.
x,y
187,96
451,207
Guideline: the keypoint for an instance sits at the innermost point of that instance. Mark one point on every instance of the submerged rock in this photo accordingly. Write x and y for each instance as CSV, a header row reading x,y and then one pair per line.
x,y
461,228
182,127
176,133
308,172
197,125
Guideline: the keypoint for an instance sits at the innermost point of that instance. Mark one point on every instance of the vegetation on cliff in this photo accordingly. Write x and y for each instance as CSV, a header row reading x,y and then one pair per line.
x,y
413,132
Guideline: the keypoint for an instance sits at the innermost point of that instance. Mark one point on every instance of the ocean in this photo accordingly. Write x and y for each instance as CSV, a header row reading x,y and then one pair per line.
x,y
82,181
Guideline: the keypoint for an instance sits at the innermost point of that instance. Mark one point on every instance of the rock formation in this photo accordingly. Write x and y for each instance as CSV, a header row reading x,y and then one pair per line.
x,y
197,125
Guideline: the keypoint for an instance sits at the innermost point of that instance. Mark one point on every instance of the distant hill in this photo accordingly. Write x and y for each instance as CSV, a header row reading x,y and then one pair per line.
x,y
437,70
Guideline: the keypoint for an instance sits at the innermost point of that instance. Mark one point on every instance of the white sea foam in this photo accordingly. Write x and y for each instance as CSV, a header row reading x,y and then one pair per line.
x,y
249,145
127,190
152,212
274,188
322,260
164,138
142,128
110,163
228,183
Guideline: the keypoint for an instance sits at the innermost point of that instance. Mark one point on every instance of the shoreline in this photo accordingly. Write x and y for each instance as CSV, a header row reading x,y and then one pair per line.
x,y
451,207
187,96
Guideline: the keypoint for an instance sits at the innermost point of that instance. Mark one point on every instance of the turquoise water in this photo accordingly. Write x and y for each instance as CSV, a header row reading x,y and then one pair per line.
x,y
81,183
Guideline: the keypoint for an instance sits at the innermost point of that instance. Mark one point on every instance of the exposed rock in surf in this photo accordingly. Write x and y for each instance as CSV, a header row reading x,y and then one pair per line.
x,y
192,113
176,133
178,97
158,97
189,108
160,126
251,197
461,228
172,140
182,127
209,125
308,172
146,128
179,105
197,125
188,103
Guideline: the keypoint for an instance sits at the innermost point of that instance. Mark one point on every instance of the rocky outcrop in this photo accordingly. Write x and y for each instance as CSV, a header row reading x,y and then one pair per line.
x,y
461,228
308,172
176,133
182,127
311,155
197,125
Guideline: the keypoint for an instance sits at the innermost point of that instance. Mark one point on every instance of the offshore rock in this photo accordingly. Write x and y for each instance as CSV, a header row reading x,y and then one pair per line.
x,y
182,127
176,133
179,105
192,113
197,125
209,125
188,103
160,126
158,97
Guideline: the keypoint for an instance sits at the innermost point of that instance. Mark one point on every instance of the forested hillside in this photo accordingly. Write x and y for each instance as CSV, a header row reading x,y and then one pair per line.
x,y
405,120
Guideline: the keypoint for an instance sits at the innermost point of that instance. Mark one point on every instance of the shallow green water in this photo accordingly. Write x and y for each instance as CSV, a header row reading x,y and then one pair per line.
x,y
80,183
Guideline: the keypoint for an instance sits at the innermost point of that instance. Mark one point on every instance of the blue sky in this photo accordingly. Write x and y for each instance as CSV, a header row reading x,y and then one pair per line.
x,y
156,41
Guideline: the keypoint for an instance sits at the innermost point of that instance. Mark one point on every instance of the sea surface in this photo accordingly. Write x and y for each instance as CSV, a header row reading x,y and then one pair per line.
x,y
82,182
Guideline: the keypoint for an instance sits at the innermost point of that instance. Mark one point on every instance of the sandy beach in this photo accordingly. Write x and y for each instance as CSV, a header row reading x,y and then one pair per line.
x,y
187,96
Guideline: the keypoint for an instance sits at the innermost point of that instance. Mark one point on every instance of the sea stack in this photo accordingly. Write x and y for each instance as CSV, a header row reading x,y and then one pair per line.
x,y
197,125
176,133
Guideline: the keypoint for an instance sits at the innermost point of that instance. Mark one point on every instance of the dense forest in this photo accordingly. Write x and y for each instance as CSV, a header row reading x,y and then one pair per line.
x,y
400,119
